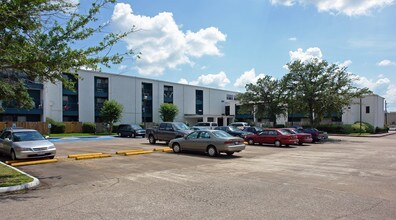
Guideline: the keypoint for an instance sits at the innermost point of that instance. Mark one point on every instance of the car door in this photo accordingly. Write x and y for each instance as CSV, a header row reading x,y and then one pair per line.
x,y
6,145
190,141
202,141
262,137
272,136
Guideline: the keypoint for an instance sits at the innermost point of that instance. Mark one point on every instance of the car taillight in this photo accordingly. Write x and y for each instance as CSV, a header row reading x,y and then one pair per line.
x,y
229,142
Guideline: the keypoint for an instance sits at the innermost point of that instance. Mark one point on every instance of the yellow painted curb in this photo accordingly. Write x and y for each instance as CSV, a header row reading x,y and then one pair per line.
x,y
167,150
34,162
138,152
93,156
82,155
161,148
128,151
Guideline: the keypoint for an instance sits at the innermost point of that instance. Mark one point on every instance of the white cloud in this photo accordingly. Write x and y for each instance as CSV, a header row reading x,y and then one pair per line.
x,y
346,63
386,63
311,53
292,39
390,96
247,77
162,44
347,7
218,80
183,81
371,84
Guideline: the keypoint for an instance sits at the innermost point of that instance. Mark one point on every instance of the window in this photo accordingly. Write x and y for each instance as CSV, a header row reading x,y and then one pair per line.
x,y
199,102
204,135
168,94
367,109
230,97
147,102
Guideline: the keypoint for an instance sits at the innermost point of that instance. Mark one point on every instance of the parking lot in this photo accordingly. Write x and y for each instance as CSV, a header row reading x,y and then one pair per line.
x,y
349,177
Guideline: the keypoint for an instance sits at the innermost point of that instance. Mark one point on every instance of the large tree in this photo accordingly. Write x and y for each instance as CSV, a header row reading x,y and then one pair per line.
x,y
38,41
319,88
111,112
265,98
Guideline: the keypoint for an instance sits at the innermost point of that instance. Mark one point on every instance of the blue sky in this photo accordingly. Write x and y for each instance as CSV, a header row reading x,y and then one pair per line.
x,y
228,43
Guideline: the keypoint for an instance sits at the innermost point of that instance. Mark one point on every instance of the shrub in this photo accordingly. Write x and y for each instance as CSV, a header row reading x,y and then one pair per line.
x,y
365,128
88,127
56,127
279,126
115,129
381,130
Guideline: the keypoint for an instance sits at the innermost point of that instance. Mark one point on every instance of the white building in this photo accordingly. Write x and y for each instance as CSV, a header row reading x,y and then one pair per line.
x,y
368,109
140,97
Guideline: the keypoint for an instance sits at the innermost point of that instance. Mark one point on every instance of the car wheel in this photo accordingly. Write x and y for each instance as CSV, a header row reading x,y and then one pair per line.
x,y
13,156
230,153
133,135
250,142
152,139
278,143
212,151
176,148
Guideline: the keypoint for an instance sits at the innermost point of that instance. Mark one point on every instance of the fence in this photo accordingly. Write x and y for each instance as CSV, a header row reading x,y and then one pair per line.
x,y
42,127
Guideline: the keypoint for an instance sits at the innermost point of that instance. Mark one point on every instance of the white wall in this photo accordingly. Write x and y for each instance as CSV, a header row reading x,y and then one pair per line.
x,y
53,102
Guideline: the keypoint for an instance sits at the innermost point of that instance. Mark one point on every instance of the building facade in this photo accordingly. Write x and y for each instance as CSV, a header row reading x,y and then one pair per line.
x,y
140,97
369,108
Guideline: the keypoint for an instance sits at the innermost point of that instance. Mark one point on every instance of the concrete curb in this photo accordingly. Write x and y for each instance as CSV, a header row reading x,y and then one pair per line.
x,y
30,185
365,136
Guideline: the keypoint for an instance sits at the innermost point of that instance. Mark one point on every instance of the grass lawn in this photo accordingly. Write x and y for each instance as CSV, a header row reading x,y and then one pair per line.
x,y
80,134
10,177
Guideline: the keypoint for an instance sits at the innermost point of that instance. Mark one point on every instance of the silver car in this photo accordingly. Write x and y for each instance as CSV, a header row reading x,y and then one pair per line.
x,y
25,143
212,142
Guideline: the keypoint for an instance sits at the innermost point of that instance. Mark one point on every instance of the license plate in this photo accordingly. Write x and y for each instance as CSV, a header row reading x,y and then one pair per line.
x,y
236,142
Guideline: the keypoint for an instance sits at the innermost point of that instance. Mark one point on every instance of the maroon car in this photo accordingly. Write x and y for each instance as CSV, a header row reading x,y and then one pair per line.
x,y
276,136
302,137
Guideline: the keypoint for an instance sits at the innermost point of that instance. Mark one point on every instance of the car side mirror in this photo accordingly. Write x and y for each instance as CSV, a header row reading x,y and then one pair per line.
x,y
46,137
7,139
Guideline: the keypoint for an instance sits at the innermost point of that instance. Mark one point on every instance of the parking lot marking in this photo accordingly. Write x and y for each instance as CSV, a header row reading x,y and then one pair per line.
x,y
127,151
93,156
33,162
161,148
138,152
81,155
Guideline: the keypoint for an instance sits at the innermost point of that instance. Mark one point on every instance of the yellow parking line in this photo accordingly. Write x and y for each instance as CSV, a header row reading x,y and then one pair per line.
x,y
34,162
138,152
127,151
93,156
82,155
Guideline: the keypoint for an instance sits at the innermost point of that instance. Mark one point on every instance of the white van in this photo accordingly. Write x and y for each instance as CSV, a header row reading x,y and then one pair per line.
x,y
205,126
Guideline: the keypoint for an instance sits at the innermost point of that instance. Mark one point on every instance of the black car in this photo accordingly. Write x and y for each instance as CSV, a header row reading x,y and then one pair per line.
x,y
234,131
316,134
130,130
254,130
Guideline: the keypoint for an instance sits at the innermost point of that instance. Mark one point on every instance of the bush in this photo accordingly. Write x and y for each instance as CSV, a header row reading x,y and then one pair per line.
x,y
88,127
56,127
279,126
366,128
115,129
381,130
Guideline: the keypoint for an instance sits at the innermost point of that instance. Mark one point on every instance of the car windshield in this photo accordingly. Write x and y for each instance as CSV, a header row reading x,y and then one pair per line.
x,y
27,136
232,128
219,133
136,127
181,126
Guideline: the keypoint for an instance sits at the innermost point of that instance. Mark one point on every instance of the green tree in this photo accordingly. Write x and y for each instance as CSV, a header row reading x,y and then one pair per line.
x,y
319,88
265,98
111,113
168,111
37,43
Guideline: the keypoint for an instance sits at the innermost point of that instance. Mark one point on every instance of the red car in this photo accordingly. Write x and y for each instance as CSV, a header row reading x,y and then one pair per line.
x,y
302,137
278,137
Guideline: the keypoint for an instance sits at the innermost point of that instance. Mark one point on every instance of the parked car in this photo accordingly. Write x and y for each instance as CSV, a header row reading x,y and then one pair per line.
x,y
302,137
239,125
130,130
233,131
167,131
278,137
316,134
254,130
20,143
205,125
392,127
212,142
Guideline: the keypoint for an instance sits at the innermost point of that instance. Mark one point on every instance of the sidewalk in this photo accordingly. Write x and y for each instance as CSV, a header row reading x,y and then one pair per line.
x,y
32,184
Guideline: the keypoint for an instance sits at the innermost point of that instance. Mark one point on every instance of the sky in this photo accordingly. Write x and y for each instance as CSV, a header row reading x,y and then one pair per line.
x,y
226,44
